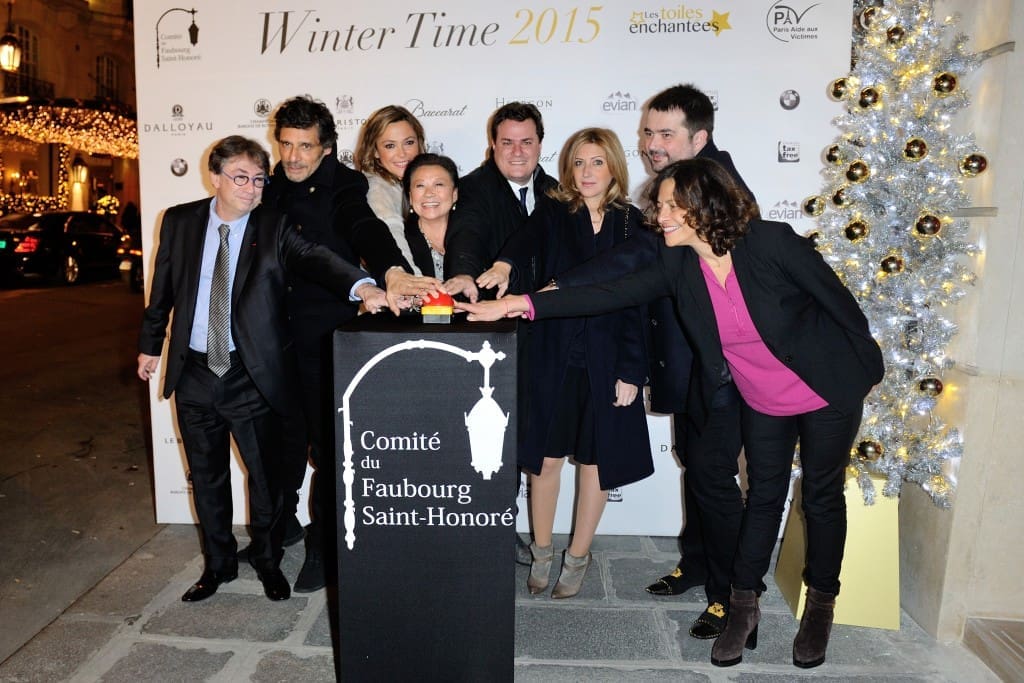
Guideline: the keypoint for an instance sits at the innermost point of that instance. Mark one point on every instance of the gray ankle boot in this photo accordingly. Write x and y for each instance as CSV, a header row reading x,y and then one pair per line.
x,y
815,627
571,579
740,630
540,568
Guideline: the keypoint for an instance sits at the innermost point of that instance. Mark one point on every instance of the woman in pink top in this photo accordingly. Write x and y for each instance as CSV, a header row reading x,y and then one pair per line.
x,y
759,303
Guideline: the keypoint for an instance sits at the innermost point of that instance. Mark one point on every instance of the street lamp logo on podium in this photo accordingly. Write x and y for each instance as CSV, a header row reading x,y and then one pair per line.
x,y
485,422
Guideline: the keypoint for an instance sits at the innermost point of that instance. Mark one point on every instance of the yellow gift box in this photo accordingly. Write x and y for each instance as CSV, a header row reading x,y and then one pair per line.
x,y
870,579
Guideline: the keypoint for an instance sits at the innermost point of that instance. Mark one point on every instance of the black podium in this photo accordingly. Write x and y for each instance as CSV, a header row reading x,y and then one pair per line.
x,y
426,485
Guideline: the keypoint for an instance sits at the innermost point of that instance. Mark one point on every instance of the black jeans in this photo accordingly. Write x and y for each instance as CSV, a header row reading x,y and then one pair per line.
x,y
711,469
825,437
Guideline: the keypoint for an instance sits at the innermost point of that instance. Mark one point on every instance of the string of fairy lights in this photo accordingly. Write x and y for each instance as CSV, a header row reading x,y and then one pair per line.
x,y
888,224
92,127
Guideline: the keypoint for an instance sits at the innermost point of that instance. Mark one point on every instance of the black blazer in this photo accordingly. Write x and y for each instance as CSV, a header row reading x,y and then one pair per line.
x,y
488,212
804,314
329,208
258,318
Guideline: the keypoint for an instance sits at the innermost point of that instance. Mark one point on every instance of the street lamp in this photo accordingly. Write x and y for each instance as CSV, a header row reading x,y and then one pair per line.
x,y
79,170
193,30
10,46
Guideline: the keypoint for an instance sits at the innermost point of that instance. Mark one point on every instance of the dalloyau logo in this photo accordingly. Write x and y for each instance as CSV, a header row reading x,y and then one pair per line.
x,y
678,19
178,125
176,41
785,210
619,102
787,21
420,110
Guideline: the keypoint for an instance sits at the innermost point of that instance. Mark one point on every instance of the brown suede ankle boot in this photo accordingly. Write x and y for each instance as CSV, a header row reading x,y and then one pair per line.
x,y
740,630
815,626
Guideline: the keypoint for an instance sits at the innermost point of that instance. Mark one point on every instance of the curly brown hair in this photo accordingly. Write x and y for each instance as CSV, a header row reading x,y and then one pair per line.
x,y
716,207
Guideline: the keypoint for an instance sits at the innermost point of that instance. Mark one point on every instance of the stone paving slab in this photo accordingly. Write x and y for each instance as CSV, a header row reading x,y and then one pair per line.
x,y
228,616
170,664
281,665
579,633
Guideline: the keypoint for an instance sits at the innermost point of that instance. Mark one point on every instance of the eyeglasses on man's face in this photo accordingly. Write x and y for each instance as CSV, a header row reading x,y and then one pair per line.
x,y
242,180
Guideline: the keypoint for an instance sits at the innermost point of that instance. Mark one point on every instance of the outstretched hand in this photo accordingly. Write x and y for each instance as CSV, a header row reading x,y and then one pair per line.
x,y
402,284
464,285
486,311
495,276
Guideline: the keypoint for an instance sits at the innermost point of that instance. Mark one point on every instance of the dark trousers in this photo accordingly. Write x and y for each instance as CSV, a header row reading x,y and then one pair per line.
x,y
825,437
309,436
210,410
711,461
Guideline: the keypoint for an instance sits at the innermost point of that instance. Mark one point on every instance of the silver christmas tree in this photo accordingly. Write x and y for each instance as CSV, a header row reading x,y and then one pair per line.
x,y
888,225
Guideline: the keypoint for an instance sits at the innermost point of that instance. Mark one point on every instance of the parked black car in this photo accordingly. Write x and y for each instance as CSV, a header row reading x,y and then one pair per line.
x,y
131,264
62,245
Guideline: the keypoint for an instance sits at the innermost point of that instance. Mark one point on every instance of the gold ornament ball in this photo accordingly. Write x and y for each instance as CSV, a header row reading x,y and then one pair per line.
x,y
815,237
840,198
834,155
944,84
892,264
870,450
814,206
895,35
838,89
973,164
856,230
870,16
927,225
930,386
915,149
869,97
858,172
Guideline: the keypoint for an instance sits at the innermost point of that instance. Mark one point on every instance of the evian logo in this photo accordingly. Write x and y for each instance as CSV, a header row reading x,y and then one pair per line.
x,y
176,42
787,21
619,102
785,210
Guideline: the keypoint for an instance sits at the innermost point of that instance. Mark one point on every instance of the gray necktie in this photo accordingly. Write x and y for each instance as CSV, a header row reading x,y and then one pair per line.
x,y
522,198
218,355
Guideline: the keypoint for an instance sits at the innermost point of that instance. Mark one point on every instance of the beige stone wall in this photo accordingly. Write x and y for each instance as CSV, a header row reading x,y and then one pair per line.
x,y
966,562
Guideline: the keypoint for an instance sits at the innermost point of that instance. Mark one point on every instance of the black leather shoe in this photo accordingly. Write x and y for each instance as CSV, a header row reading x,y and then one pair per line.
x,y
676,583
274,584
523,554
208,584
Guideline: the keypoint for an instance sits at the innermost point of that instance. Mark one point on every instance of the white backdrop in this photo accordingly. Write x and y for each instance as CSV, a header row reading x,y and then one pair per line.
x,y
765,63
